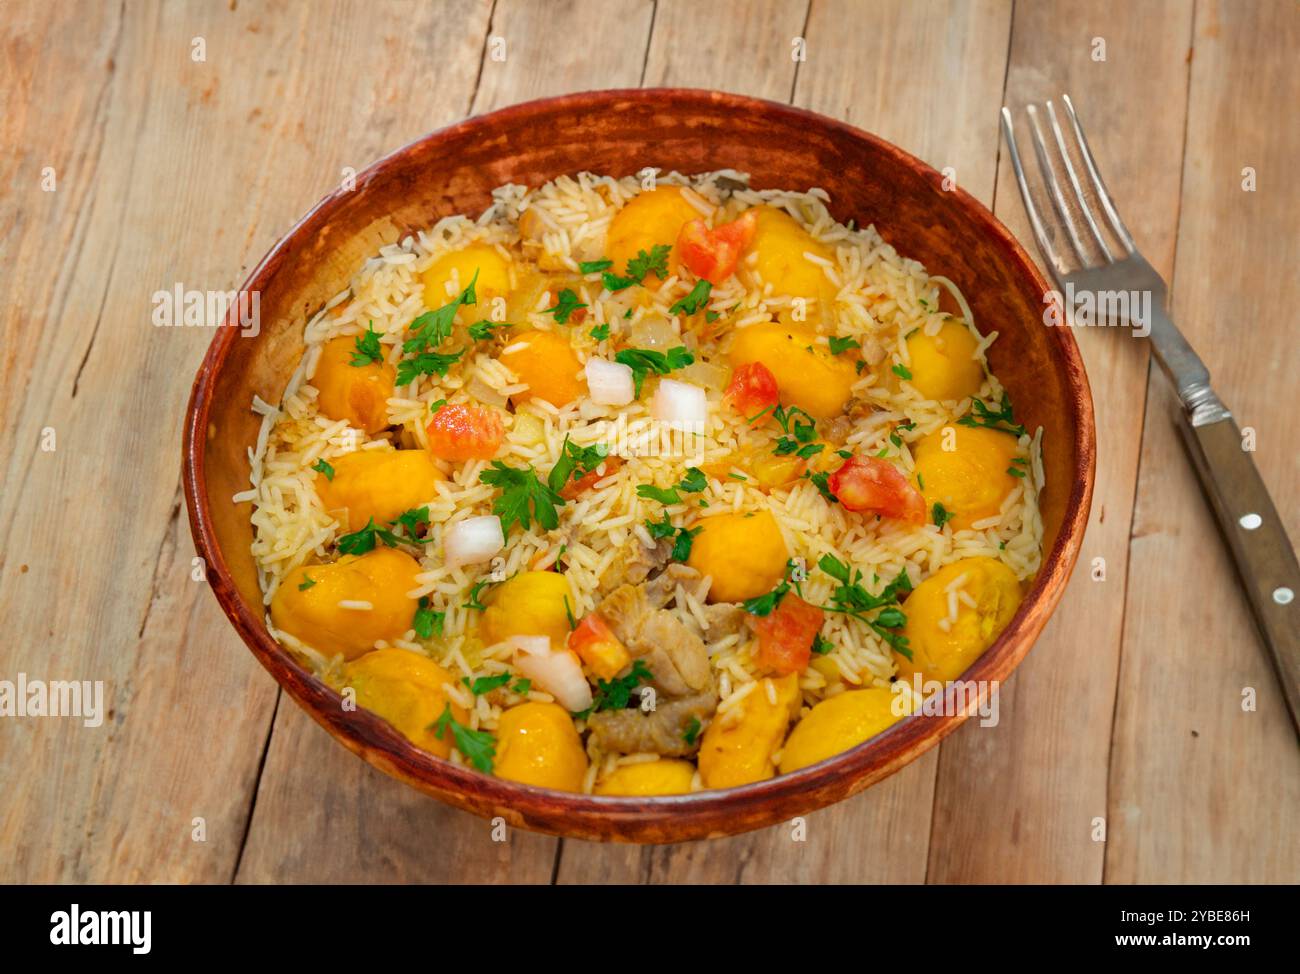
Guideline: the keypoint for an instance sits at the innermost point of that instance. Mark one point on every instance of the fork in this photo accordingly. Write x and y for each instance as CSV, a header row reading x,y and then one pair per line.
x,y
1093,266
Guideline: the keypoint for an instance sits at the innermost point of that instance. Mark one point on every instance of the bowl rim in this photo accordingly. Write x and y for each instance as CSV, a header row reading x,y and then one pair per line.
x,y
697,814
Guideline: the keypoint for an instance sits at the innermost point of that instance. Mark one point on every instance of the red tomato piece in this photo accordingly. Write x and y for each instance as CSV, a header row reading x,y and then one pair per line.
x,y
712,254
752,389
575,487
598,647
785,635
465,432
873,485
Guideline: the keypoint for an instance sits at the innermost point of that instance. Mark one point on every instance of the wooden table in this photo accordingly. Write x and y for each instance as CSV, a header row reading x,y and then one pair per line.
x,y
150,144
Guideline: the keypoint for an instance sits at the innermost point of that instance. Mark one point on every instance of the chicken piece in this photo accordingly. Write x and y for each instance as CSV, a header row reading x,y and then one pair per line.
x,y
637,563
660,590
725,619
662,731
674,655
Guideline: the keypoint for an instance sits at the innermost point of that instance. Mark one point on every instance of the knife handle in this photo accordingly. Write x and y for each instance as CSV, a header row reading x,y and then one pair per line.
x,y
1265,559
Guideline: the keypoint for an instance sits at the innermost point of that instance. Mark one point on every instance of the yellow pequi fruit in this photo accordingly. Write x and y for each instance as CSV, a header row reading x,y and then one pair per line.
x,y
356,394
654,218
839,723
744,553
807,374
307,603
455,270
547,362
665,776
944,365
528,604
741,753
378,484
971,480
407,690
780,243
537,744
944,654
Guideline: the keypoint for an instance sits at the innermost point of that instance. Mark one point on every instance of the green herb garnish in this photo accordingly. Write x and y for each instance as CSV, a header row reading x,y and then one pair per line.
x,y
368,348
841,345
359,542
694,301
903,372
599,333
940,514
523,497
427,623
643,361
566,304
594,266
1003,419
307,582
323,466
478,747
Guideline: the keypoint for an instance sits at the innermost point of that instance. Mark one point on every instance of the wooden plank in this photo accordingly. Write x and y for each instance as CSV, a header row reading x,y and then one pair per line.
x,y
1201,789
301,808
553,48
883,834
174,170
1016,802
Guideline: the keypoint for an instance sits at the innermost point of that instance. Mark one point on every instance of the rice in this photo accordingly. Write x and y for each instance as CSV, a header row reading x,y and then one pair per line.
x,y
880,297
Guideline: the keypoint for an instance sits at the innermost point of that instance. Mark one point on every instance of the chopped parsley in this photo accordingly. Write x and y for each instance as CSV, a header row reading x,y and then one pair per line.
x,y
436,405
660,529
368,349
765,605
568,614
692,732
1003,419
359,542
614,694
643,361
841,345
682,546
427,623
434,327
798,433
821,480
903,372
693,483
575,462
426,363
323,466
851,598
1015,471
486,684
711,316
523,497
594,266
482,330
307,582
473,601
566,304
478,747
656,262
821,645
940,514
694,301
600,332
411,520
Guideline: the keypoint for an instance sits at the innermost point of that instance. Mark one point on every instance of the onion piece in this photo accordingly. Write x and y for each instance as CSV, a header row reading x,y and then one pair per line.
x,y
558,672
610,383
680,404
472,540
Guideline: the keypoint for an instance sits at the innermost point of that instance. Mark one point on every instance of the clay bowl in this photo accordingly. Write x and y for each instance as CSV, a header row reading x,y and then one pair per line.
x,y
619,132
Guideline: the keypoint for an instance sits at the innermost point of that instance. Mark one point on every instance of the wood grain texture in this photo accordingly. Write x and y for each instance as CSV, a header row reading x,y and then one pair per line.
x,y
1203,789
157,156
1049,753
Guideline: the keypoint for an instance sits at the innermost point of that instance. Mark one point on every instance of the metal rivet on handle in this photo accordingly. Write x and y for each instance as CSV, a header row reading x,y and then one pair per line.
x,y
1283,595
1250,521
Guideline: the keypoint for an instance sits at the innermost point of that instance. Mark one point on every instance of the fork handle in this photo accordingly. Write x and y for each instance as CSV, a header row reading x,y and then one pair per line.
x,y
1265,559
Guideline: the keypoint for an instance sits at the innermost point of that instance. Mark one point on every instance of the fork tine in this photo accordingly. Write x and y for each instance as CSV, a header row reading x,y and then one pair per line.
x,y
1057,266
1054,187
1112,214
1074,182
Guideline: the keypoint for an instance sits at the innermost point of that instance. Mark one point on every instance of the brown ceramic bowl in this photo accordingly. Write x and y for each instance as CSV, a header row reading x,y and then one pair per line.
x,y
619,132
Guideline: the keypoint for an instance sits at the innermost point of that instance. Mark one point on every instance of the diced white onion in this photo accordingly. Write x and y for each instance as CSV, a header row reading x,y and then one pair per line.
x,y
558,672
654,333
472,540
609,383
680,403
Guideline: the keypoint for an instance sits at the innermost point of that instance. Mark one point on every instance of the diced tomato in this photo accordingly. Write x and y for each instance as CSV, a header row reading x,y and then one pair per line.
x,y
785,635
598,647
712,254
573,488
465,432
752,389
873,485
